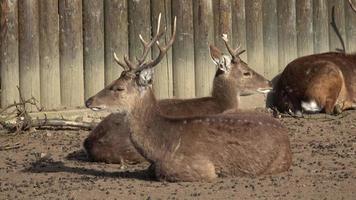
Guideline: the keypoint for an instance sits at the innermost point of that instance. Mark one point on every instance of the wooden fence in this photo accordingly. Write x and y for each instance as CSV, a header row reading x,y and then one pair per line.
x,y
60,51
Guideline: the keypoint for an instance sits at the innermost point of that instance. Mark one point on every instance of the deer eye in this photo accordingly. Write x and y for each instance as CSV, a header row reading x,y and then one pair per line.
x,y
247,74
117,89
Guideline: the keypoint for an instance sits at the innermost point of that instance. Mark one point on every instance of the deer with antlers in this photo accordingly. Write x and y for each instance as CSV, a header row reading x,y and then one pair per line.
x,y
193,148
109,141
323,82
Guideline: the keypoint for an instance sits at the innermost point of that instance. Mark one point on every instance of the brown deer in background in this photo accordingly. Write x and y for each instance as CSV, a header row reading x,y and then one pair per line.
x,y
320,82
193,148
109,141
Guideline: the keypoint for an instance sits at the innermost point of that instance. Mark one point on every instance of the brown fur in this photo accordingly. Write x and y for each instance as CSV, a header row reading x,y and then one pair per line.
x,y
329,79
109,141
198,148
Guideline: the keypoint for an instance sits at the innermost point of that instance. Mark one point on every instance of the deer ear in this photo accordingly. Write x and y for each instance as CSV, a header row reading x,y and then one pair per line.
x,y
145,77
215,54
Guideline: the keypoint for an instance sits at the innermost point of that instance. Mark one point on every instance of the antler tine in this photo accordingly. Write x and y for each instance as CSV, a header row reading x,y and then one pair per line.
x,y
162,49
129,64
233,52
147,45
125,67
352,5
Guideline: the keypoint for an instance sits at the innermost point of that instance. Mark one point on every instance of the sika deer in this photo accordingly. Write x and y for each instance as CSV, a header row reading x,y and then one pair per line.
x,y
193,148
320,82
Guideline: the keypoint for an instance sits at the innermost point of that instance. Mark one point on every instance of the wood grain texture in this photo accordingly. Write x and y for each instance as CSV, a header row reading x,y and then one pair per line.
x,y
71,53
239,26
350,28
305,27
93,25
9,54
320,26
49,54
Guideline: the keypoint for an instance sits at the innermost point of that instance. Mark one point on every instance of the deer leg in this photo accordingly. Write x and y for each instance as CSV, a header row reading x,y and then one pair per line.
x,y
187,169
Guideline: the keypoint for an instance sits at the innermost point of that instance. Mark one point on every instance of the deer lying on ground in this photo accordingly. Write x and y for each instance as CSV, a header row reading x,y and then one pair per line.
x,y
193,148
320,82
109,141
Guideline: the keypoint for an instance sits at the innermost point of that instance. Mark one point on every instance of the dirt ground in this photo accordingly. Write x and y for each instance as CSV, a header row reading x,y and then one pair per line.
x,y
51,165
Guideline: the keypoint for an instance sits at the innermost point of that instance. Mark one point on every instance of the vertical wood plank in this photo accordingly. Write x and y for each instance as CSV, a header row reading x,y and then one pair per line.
x,y
163,78
270,38
305,27
287,32
254,28
183,50
116,37
29,50
204,35
71,52
139,23
350,29
239,26
320,26
334,41
93,23
49,54
9,55
223,22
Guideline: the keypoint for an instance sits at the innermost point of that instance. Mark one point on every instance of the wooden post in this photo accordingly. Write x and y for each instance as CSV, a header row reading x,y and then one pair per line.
x,y
270,38
93,23
320,26
9,55
71,52
223,23
287,33
116,37
183,50
204,35
139,23
29,50
350,29
49,54
254,28
305,27
239,26
334,40
163,78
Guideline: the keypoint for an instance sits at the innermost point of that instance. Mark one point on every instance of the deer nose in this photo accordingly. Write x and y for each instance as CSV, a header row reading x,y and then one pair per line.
x,y
89,102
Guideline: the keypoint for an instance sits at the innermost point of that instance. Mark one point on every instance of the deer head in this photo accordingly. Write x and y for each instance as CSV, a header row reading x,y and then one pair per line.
x,y
232,70
136,77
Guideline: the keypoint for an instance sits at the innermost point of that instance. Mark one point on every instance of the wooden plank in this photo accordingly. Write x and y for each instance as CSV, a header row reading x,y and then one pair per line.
x,y
93,22
116,37
287,33
29,50
139,23
350,16
334,41
305,27
163,79
183,50
204,35
9,55
270,38
71,52
320,26
254,28
239,26
49,54
223,22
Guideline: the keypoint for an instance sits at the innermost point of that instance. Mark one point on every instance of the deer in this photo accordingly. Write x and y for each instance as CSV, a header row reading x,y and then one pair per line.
x,y
109,141
324,82
192,148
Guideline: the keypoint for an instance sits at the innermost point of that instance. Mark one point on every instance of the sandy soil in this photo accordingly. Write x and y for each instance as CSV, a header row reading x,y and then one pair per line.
x,y
51,165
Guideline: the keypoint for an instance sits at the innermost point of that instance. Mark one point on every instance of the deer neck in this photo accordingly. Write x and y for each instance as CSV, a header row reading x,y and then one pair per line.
x,y
225,94
145,127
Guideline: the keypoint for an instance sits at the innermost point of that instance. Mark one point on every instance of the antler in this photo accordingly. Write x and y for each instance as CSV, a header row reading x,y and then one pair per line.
x,y
233,52
352,5
130,66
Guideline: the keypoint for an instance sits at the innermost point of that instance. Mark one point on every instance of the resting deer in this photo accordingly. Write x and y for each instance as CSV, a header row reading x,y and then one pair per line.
x,y
320,82
109,141
193,148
